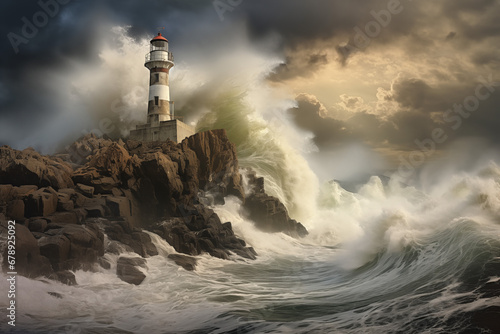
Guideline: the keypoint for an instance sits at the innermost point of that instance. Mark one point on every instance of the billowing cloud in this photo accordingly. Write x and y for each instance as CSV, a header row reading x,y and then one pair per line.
x,y
383,72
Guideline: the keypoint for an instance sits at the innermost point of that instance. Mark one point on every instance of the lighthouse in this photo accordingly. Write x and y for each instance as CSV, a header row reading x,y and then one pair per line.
x,y
159,61
161,123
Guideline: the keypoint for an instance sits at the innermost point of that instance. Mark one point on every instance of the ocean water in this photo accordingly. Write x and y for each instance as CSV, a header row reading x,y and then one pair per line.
x,y
391,255
389,258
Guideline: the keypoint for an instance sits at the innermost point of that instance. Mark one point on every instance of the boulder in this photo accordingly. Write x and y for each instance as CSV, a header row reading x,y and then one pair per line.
x,y
37,224
29,261
28,167
84,147
65,277
63,218
268,213
119,206
96,207
6,193
200,230
186,262
127,270
23,191
15,209
56,248
104,185
73,247
113,161
64,202
138,241
218,162
40,203
85,190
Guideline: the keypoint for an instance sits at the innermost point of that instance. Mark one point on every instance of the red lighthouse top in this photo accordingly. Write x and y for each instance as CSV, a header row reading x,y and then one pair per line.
x,y
159,38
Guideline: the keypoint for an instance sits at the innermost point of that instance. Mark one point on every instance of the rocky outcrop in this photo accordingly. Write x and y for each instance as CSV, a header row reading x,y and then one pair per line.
x,y
267,212
200,230
186,262
127,269
64,205
28,260
30,168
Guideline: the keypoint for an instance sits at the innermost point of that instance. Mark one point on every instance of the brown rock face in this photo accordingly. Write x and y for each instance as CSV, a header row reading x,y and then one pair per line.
x,y
67,202
268,213
218,162
127,270
29,261
30,168
73,246
186,262
200,230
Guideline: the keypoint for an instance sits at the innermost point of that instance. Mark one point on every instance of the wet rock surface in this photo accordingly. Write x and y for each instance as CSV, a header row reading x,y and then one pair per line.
x,y
102,195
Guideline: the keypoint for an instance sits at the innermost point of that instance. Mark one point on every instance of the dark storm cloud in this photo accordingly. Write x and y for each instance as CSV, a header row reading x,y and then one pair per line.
x,y
411,122
65,33
399,130
312,34
297,67
322,25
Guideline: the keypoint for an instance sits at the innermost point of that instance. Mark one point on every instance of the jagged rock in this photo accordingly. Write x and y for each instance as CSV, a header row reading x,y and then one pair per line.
x,y
41,203
200,230
137,184
56,249
15,209
186,262
73,247
64,202
65,277
127,271
29,261
63,218
6,192
86,146
104,185
95,207
218,162
23,191
104,263
113,161
140,242
268,213
119,206
85,190
77,198
55,294
28,167
37,225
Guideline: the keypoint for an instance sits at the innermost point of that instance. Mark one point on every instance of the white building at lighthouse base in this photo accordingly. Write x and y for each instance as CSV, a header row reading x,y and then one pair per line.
x,y
175,130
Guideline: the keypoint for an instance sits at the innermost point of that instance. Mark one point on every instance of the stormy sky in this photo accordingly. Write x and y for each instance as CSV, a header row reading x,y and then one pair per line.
x,y
386,74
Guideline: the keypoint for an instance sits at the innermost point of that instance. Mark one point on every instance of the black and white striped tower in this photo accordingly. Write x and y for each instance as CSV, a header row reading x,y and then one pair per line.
x,y
159,61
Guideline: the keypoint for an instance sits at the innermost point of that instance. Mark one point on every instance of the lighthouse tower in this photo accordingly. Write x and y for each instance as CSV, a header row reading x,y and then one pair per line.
x,y
161,121
159,61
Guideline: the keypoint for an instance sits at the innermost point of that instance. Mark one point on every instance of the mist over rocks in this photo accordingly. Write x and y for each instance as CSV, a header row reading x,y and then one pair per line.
x,y
100,196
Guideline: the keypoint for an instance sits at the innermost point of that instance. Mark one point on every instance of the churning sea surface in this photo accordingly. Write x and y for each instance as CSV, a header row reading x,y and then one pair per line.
x,y
384,257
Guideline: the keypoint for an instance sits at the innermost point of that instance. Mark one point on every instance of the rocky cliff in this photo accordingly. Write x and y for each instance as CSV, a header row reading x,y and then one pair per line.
x,y
65,205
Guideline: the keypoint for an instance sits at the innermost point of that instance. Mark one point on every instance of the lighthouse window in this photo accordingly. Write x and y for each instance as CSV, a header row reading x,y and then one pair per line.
x,y
157,77
157,102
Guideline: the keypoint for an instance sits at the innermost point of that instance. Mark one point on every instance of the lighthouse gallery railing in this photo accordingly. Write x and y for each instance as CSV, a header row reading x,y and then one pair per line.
x,y
159,56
